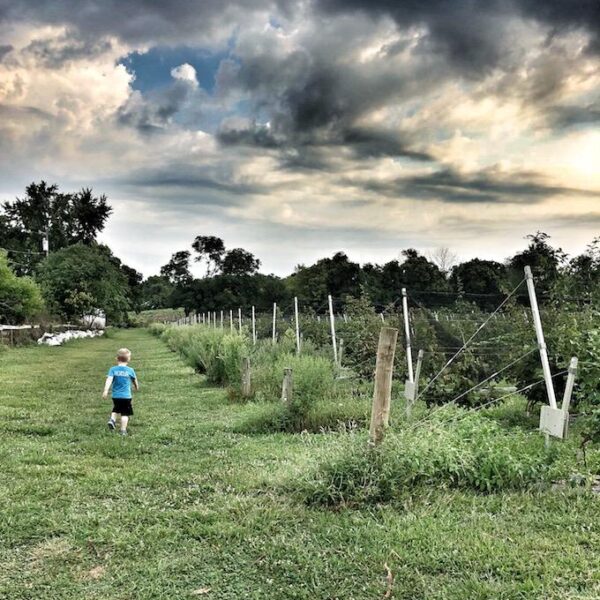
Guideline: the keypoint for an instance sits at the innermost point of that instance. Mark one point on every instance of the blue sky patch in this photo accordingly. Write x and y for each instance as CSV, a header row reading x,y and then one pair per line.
x,y
153,68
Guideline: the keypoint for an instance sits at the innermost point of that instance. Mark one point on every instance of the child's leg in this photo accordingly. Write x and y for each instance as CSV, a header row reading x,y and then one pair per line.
x,y
124,421
113,416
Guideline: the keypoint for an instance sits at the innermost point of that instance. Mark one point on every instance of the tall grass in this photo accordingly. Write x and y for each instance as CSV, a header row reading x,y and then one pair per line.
x,y
465,451
215,352
318,399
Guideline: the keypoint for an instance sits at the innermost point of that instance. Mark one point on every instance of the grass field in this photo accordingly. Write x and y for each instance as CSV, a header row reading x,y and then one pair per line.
x,y
185,507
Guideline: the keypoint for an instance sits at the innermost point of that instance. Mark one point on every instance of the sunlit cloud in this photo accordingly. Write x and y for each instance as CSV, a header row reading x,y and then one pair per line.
x,y
368,126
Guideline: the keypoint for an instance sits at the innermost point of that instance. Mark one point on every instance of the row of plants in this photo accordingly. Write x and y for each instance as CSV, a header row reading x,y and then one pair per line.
x,y
317,387
453,449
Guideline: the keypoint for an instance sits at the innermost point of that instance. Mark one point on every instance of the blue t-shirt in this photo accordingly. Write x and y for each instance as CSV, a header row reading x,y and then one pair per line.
x,y
122,377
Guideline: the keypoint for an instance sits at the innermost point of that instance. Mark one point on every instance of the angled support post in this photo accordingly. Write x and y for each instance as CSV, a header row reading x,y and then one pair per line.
x,y
409,362
539,332
332,324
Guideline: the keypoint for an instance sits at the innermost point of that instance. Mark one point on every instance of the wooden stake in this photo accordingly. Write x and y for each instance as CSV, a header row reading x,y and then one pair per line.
x,y
231,320
297,325
566,403
341,352
253,326
274,322
382,394
246,380
286,388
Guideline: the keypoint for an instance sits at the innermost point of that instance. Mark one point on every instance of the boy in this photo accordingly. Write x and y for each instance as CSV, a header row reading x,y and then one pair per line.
x,y
121,377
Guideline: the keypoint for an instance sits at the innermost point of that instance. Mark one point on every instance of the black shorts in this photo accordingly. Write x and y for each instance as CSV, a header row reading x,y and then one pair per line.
x,y
122,406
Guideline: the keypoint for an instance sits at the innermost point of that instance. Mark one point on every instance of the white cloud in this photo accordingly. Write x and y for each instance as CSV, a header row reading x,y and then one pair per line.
x,y
185,72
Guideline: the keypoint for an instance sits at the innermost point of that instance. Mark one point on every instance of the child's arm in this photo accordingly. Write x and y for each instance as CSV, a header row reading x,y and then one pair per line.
x,y
136,384
107,385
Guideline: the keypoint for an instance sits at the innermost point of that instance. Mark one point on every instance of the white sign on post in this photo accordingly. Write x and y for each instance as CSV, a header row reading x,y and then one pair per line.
x,y
553,421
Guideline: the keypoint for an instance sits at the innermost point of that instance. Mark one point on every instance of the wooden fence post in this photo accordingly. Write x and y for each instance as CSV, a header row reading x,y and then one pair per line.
x,y
286,388
297,321
246,378
341,352
382,394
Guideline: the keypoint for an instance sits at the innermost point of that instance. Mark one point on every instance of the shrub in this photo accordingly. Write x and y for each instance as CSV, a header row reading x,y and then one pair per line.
x,y
157,329
455,449
216,353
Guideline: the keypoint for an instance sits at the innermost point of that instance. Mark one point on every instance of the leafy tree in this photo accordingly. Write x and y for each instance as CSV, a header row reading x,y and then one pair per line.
x,y
211,249
239,262
134,278
177,270
419,275
544,260
224,292
485,277
156,292
67,219
584,275
337,276
80,278
20,297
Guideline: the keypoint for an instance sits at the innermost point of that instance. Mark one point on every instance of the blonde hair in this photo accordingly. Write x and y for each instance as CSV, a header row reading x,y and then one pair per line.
x,y
123,355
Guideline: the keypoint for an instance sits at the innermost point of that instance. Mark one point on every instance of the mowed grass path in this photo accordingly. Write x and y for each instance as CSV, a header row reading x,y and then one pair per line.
x,y
187,508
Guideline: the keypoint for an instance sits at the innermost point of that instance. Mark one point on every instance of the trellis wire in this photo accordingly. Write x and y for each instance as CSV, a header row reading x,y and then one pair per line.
x,y
465,345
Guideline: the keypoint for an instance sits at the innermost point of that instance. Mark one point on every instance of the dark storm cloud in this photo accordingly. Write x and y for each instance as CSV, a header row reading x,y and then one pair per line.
x,y
468,31
193,179
373,143
134,21
251,135
155,110
4,50
487,186
316,101
572,116
54,53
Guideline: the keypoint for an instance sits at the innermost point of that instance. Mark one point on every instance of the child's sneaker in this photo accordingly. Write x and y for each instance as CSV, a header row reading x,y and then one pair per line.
x,y
111,424
123,432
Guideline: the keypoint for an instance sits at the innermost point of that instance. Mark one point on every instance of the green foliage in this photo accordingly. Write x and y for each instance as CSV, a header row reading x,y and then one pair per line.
x,y
80,278
453,449
214,352
156,293
146,317
20,297
207,508
219,353
68,218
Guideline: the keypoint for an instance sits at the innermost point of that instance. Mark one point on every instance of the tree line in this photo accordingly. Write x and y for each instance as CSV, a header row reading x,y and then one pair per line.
x,y
80,275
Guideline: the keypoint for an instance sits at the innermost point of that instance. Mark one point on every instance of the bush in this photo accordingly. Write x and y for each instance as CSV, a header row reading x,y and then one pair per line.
x,y
317,395
216,353
157,329
455,449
